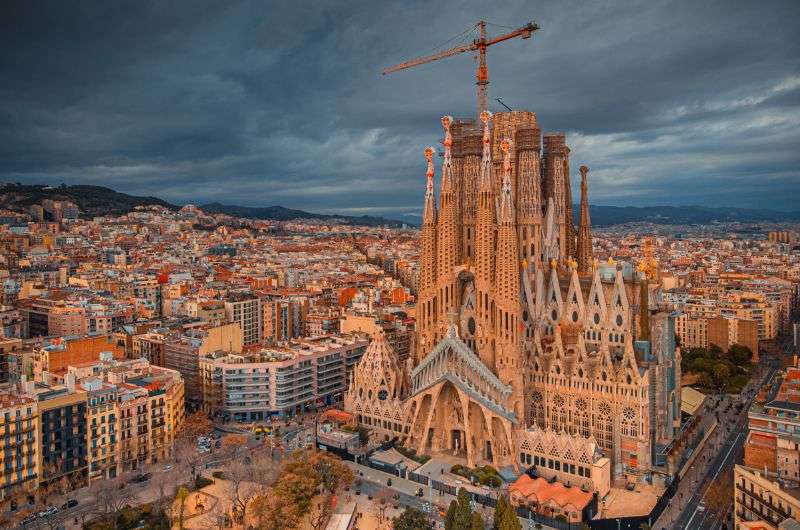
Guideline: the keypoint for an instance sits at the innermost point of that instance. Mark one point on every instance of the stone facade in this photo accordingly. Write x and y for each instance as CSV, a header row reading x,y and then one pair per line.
x,y
510,333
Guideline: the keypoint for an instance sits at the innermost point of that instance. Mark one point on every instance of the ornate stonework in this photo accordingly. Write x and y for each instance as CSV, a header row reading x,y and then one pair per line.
x,y
509,334
377,389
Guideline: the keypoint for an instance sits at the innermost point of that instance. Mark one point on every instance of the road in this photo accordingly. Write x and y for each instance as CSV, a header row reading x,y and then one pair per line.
x,y
372,481
712,470
142,492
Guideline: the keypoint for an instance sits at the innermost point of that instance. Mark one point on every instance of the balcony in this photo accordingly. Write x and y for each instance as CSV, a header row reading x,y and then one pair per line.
x,y
760,504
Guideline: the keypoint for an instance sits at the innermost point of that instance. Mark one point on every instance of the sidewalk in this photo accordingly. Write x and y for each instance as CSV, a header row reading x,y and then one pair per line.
x,y
409,488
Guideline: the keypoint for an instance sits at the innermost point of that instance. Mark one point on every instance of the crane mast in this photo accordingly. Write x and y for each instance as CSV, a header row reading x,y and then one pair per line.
x,y
480,45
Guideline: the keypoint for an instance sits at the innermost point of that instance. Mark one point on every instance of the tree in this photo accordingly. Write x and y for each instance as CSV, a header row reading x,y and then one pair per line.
x,y
321,512
111,496
721,374
183,493
296,489
505,517
187,458
363,435
332,472
232,444
459,513
194,425
714,351
381,499
740,355
237,476
411,519
450,516
477,522
274,513
167,483
265,471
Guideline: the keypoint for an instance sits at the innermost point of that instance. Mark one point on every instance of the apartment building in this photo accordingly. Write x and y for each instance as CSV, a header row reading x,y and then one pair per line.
x,y
692,330
759,498
284,318
767,485
149,346
724,332
212,311
245,310
19,441
55,355
62,435
280,381
9,349
183,351
752,306
135,410
102,428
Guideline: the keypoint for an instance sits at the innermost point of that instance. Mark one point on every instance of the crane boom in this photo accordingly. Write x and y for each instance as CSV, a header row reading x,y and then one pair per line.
x,y
430,58
480,44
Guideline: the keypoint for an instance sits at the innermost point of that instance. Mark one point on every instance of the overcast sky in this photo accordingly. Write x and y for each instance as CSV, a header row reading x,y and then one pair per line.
x,y
279,102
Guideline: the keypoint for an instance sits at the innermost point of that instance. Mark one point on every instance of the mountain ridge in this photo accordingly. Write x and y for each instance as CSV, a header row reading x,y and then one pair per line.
x,y
99,201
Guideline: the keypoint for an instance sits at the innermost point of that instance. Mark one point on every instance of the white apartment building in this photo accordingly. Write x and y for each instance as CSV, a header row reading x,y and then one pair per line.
x,y
280,381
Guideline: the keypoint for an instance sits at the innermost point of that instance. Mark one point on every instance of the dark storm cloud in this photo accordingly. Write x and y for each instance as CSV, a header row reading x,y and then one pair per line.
x,y
262,103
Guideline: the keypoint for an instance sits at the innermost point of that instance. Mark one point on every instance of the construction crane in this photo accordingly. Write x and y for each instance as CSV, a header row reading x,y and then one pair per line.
x,y
480,44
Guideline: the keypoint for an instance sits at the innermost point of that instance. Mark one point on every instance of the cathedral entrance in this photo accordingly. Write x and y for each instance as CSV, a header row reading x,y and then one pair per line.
x,y
457,438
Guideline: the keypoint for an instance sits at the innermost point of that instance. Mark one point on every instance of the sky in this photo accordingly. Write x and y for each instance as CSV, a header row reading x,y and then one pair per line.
x,y
283,103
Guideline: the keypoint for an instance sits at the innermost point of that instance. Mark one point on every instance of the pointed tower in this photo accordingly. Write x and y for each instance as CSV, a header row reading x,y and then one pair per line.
x,y
553,165
585,256
378,387
426,295
569,220
485,228
529,194
508,322
448,240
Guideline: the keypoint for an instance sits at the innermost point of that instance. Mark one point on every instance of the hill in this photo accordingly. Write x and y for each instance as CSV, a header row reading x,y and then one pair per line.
x,y
93,201
682,215
98,201
279,213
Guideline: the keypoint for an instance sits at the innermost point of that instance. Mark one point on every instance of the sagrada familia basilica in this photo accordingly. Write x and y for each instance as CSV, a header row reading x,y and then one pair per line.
x,y
525,344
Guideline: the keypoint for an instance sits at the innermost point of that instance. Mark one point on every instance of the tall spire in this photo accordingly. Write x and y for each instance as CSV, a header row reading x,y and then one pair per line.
x,y
429,211
448,240
508,313
506,282
428,237
486,160
506,214
485,222
585,256
568,219
485,246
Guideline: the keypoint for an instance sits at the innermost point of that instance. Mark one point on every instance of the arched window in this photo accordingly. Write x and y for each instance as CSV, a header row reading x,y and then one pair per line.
x,y
537,408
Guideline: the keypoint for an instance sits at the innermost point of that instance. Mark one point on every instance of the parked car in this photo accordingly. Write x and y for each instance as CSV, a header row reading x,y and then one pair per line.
x,y
144,477
69,504
31,518
168,467
48,511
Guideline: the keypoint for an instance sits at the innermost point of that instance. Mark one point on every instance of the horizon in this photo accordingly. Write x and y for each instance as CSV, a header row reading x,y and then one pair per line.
x,y
285,105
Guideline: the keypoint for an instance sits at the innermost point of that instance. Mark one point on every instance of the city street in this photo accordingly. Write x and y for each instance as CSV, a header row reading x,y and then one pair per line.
x,y
689,507
373,481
